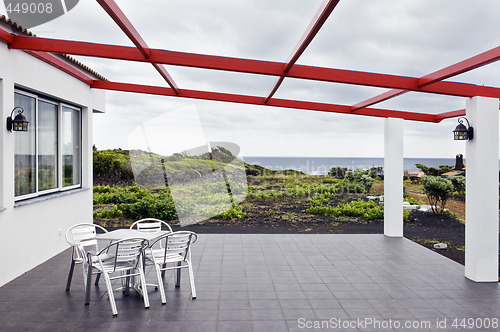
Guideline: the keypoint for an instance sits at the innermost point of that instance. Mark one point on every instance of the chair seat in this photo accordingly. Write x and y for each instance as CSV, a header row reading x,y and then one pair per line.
x,y
108,265
120,256
172,248
161,258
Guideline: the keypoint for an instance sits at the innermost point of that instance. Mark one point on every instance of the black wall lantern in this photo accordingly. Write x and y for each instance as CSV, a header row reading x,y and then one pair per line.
x,y
463,133
19,123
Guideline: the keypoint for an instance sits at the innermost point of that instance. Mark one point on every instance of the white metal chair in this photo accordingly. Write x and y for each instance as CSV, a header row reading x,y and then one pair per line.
x,y
124,257
81,237
150,225
172,248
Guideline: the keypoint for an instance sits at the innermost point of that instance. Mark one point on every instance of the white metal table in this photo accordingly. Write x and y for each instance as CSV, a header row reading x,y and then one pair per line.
x,y
125,233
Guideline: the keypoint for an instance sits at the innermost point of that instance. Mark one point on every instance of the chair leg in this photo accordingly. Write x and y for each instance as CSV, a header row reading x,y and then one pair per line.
x,y
160,283
191,280
163,271
127,284
144,287
111,296
70,274
97,279
87,285
178,276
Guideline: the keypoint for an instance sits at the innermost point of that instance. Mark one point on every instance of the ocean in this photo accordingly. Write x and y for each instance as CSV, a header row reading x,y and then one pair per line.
x,y
321,165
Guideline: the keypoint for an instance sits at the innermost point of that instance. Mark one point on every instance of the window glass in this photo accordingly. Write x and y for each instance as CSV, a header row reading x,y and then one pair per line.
x,y
48,157
25,148
71,150
47,145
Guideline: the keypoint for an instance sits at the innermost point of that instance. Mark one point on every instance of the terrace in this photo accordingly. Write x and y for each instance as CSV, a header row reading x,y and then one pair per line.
x,y
267,282
279,282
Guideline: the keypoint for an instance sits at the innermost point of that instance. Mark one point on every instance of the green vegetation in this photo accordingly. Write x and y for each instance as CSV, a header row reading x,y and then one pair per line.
x,y
413,201
458,183
116,195
434,171
340,194
133,202
358,208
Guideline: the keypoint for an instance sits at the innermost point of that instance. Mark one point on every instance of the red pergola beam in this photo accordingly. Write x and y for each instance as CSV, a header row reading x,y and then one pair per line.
x,y
461,67
123,22
447,115
6,36
317,23
254,100
319,19
127,27
252,66
377,99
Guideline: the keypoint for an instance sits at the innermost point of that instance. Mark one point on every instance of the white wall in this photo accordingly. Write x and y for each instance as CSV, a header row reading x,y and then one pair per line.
x,y
36,230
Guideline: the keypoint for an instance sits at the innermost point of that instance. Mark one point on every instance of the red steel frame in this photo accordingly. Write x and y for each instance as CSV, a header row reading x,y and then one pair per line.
x,y
431,83
453,70
322,15
119,17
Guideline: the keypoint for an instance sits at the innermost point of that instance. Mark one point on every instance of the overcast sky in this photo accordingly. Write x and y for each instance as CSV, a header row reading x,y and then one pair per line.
x,y
410,37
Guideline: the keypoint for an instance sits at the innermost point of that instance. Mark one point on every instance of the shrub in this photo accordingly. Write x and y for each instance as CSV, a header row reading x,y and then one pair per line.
x,y
337,172
152,206
134,202
349,175
111,213
434,171
360,209
437,190
321,199
458,184
367,182
234,213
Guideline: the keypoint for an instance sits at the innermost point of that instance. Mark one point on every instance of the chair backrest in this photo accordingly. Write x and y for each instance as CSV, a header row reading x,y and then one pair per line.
x,y
150,225
81,236
176,243
123,254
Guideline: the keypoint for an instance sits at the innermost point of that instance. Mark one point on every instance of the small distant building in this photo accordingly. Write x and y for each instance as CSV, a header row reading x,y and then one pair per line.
x,y
413,176
459,169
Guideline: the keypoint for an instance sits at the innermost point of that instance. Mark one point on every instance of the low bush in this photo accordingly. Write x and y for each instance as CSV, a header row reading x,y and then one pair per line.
x,y
134,202
437,190
458,183
234,213
359,208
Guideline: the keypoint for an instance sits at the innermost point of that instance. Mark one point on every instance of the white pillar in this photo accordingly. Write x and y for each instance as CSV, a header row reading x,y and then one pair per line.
x,y
481,209
393,177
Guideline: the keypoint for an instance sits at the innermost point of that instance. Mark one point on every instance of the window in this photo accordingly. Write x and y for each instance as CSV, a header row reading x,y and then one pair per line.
x,y
48,156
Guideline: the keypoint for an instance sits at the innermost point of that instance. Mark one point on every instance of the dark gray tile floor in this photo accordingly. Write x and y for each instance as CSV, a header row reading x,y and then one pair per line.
x,y
267,282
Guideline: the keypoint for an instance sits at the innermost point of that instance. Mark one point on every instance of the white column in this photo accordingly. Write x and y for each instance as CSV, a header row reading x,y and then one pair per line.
x,y
393,177
481,209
